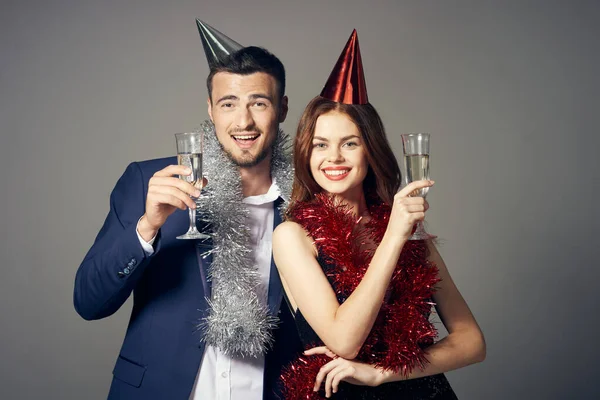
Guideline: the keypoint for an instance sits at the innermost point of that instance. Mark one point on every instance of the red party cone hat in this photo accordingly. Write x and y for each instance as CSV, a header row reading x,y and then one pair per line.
x,y
346,84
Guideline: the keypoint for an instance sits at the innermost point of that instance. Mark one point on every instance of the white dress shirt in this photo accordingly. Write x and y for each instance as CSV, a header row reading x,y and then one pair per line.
x,y
221,377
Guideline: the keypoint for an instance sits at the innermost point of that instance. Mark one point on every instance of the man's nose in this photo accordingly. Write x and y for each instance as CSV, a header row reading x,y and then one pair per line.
x,y
244,118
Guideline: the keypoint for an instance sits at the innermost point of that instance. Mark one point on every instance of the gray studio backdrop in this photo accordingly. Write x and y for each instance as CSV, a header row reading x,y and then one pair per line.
x,y
509,91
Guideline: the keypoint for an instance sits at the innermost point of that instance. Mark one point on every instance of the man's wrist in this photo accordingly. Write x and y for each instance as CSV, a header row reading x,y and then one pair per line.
x,y
146,232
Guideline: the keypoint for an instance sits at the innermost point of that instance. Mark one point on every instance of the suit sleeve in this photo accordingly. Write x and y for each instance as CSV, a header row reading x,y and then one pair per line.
x,y
116,261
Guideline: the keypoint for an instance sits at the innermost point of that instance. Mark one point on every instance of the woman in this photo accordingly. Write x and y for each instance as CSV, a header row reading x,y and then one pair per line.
x,y
360,290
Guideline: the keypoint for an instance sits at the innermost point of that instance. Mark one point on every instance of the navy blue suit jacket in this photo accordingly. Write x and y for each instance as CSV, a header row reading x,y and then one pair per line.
x,y
162,351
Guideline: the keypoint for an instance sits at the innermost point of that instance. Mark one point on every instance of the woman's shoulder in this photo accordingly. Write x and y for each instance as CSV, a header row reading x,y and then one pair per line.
x,y
290,233
289,230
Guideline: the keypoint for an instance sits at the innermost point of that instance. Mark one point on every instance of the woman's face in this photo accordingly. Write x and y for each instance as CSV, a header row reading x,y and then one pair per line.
x,y
338,160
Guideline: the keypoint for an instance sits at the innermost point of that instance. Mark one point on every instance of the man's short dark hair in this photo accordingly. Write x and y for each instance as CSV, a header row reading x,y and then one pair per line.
x,y
247,61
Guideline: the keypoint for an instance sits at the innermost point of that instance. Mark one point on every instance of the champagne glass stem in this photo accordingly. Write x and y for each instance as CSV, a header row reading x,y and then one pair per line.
x,y
192,213
419,233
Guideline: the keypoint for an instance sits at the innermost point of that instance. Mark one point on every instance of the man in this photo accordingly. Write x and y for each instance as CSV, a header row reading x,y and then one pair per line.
x,y
164,354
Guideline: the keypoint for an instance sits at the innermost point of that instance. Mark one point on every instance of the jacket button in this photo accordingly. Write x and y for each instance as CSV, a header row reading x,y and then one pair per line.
x,y
126,271
121,274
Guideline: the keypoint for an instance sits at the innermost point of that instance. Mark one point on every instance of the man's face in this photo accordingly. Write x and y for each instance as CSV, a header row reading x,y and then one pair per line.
x,y
246,112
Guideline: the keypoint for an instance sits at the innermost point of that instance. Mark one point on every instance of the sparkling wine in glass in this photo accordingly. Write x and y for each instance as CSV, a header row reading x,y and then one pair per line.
x,y
416,163
189,154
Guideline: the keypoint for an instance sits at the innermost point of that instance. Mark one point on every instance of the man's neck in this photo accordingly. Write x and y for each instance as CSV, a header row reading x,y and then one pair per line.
x,y
256,180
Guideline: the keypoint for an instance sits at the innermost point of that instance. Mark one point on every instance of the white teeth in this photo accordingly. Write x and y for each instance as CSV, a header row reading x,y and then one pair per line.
x,y
335,172
245,137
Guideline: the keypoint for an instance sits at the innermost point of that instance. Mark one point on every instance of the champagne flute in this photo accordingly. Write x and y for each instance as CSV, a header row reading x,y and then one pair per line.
x,y
416,163
189,154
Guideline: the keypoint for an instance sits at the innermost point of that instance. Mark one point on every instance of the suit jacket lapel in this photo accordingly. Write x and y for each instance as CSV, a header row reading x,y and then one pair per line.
x,y
275,288
180,220
203,263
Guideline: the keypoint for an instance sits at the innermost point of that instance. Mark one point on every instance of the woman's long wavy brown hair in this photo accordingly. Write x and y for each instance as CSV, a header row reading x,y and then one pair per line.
x,y
383,177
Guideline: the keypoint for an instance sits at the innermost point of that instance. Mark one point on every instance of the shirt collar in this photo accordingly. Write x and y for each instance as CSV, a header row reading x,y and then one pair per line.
x,y
272,194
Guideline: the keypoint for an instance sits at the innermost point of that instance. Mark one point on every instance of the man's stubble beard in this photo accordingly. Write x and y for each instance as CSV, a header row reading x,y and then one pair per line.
x,y
249,163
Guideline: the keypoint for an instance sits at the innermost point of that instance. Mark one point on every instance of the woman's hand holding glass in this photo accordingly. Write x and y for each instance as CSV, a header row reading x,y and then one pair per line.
x,y
407,210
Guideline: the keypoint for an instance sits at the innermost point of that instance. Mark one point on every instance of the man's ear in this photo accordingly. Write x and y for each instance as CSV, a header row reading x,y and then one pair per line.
x,y
209,104
283,110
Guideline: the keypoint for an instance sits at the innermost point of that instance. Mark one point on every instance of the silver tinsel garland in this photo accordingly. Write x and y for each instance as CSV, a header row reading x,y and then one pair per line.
x,y
238,323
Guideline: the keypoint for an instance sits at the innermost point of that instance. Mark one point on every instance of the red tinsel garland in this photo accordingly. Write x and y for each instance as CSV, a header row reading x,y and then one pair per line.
x,y
402,328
